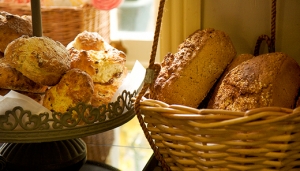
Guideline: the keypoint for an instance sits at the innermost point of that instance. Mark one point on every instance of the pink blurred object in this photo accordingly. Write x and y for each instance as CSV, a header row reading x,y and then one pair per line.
x,y
106,4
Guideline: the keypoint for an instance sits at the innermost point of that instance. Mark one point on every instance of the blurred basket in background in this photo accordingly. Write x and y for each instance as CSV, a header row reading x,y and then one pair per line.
x,y
63,23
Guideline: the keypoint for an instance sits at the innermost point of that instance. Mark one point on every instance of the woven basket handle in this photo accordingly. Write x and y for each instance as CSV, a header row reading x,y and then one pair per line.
x,y
270,41
151,74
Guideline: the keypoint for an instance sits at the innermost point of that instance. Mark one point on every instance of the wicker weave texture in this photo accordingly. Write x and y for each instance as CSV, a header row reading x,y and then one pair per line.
x,y
264,139
63,24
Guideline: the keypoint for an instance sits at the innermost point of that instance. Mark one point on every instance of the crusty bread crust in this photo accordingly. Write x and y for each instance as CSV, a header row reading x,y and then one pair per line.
x,y
74,87
13,27
188,75
266,80
235,62
41,59
15,80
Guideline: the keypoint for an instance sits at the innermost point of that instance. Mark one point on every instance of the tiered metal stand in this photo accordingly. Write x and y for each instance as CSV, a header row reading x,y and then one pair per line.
x,y
51,142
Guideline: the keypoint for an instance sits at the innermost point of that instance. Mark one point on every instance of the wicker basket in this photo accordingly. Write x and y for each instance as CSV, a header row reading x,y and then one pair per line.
x,y
189,139
64,23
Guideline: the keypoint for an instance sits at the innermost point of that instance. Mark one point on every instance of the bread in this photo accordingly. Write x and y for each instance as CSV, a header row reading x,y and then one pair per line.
x,y
13,27
235,62
41,59
15,80
103,66
75,86
103,93
271,79
187,76
88,41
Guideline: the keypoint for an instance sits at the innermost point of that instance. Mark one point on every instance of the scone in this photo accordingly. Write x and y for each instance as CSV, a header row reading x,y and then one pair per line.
x,y
187,76
13,27
103,93
41,59
103,66
89,41
74,87
15,80
271,79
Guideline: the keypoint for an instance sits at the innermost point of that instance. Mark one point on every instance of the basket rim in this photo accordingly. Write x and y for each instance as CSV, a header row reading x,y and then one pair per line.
x,y
45,7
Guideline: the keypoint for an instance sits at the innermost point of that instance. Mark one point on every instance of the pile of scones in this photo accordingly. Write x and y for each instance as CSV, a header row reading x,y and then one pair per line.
x,y
87,70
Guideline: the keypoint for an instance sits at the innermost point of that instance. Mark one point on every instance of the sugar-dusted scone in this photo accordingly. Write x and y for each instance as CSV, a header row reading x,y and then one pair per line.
x,y
103,66
187,76
41,59
74,87
271,79
15,80
13,27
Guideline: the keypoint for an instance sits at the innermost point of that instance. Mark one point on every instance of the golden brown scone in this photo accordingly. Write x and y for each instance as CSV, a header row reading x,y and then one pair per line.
x,y
88,41
41,59
13,27
74,87
103,93
187,76
235,62
15,80
103,66
266,80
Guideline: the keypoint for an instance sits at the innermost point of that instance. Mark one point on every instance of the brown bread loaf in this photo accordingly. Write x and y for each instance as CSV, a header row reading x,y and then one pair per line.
x,y
266,80
235,62
187,76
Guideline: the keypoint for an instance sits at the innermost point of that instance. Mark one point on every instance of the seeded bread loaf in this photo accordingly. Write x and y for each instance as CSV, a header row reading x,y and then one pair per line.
x,y
266,80
235,62
187,76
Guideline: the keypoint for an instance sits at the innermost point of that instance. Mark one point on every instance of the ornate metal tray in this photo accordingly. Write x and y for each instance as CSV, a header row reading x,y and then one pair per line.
x,y
22,126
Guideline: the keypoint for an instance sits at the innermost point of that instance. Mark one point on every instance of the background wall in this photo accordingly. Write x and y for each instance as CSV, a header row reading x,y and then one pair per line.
x,y
245,20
